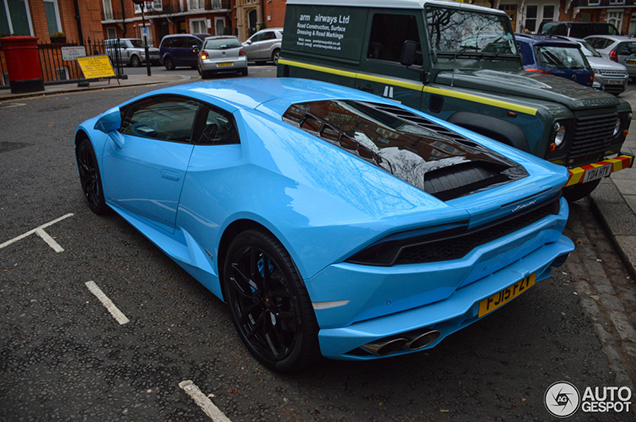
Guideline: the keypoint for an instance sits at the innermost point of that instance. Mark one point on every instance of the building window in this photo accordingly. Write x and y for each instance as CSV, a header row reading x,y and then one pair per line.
x,y
615,18
52,16
62,73
197,26
111,32
108,10
155,5
15,18
148,33
219,26
196,4
536,14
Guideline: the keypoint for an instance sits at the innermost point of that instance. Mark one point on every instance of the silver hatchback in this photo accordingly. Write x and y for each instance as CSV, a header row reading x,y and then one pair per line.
x,y
618,48
221,54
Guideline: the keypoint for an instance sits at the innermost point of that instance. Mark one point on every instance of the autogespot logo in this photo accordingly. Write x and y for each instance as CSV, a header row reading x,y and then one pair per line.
x,y
562,399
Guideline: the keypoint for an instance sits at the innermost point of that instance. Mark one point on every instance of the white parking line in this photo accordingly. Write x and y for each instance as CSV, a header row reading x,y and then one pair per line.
x,y
40,231
203,402
110,306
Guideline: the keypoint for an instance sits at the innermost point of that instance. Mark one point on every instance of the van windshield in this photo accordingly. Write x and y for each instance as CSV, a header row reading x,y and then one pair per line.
x,y
464,31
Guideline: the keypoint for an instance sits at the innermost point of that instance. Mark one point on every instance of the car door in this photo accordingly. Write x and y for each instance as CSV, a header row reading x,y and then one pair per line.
x,y
381,72
145,170
626,52
254,47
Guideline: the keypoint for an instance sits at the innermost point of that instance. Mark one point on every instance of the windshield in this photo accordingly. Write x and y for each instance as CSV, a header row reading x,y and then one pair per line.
x,y
588,50
560,57
462,31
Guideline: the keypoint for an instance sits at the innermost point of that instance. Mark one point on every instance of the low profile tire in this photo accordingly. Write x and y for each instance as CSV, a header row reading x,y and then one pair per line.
x,y
269,304
579,191
276,56
135,62
90,177
168,63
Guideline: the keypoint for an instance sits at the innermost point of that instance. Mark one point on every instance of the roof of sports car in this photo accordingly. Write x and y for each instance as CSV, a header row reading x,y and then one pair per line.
x,y
279,93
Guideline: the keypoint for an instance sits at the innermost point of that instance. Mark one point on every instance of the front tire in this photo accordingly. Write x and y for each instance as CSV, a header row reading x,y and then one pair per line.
x,y
90,177
270,307
580,191
134,61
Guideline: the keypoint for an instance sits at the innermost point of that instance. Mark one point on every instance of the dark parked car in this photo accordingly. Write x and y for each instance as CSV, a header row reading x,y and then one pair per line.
x,y
555,56
181,50
577,29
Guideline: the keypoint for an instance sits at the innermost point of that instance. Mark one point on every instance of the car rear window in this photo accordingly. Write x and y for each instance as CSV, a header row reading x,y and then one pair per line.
x,y
221,44
560,57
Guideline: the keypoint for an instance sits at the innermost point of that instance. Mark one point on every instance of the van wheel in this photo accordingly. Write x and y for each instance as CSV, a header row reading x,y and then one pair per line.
x,y
168,63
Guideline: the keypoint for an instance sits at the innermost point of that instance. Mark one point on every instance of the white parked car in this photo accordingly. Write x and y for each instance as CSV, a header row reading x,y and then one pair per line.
x,y
222,54
130,51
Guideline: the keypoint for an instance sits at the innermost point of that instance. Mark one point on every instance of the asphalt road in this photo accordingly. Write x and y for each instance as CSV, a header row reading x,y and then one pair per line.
x,y
64,357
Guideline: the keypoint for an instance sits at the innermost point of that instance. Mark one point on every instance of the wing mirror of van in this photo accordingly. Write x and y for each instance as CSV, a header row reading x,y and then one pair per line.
x,y
407,58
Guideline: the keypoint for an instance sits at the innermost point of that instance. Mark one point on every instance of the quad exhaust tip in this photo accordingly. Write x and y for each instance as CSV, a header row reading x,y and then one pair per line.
x,y
392,345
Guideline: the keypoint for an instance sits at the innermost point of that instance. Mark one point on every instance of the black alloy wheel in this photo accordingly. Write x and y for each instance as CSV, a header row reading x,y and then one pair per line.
x,y
90,177
270,306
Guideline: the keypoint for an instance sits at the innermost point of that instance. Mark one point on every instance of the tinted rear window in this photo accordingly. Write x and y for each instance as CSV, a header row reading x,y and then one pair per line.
x,y
222,44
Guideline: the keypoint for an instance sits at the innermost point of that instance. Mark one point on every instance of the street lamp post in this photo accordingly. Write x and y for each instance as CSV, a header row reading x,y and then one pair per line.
x,y
142,3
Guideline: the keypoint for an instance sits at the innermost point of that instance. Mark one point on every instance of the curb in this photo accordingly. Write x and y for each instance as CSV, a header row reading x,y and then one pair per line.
x,y
618,221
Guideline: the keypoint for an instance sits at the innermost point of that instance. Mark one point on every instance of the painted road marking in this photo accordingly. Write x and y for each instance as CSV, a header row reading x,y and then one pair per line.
x,y
40,232
110,306
12,105
203,402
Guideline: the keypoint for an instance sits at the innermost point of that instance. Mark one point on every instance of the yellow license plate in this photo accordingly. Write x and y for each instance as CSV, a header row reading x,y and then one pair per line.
x,y
506,295
225,64
631,61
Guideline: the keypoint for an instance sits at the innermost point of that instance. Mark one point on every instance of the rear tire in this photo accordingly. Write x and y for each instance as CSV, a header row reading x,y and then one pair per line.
x,y
580,191
168,63
270,307
244,72
276,56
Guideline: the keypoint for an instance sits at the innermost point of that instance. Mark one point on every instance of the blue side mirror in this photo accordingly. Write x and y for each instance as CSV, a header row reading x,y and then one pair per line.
x,y
109,123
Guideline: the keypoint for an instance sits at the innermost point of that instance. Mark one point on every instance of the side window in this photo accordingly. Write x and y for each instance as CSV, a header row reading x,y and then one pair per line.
x,y
388,33
215,127
162,118
269,36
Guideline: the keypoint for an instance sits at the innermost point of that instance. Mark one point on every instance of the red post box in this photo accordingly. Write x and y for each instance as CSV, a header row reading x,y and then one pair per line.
x,y
23,64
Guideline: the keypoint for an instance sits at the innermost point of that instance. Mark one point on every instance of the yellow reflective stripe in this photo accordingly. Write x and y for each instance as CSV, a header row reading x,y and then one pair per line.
x,y
482,100
318,68
417,87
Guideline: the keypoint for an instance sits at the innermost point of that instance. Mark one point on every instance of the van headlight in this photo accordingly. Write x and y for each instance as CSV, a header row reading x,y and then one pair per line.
x,y
617,127
559,134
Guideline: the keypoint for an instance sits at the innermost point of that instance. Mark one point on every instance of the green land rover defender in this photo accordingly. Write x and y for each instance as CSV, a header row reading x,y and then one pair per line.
x,y
460,63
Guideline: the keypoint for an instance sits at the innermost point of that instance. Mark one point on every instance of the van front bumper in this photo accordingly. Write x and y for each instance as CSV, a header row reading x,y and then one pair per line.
x,y
593,171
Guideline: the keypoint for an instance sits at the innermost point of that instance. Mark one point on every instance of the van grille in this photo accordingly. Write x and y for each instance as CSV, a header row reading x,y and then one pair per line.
x,y
592,134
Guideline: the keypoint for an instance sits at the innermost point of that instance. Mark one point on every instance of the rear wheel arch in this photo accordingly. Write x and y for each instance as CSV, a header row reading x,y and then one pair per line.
x,y
493,127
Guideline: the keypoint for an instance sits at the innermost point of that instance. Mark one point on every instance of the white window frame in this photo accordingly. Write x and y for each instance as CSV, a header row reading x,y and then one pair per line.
x,y
540,10
57,15
203,21
593,2
156,5
62,74
616,19
28,13
200,5
140,33
108,10
217,20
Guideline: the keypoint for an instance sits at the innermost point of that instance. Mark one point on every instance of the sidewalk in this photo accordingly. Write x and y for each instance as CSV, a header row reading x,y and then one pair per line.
x,y
614,201
133,80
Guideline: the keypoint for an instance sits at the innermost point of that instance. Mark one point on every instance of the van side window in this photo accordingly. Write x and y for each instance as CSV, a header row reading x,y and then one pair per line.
x,y
388,33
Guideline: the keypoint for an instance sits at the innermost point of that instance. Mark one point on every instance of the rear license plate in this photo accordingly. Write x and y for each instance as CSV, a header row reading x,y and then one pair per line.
x,y
506,295
597,173
630,61
225,64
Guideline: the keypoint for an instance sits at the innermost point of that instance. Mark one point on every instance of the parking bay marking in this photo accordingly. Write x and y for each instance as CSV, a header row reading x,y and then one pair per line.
x,y
110,306
203,402
42,234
